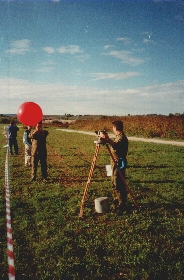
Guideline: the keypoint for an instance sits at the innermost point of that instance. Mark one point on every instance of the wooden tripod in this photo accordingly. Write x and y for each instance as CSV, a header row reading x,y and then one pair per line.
x,y
90,176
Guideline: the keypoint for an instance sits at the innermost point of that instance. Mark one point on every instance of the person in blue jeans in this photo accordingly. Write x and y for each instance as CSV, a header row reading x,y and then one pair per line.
x,y
12,137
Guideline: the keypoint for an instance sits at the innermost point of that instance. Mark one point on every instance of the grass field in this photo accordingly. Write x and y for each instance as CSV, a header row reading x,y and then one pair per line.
x,y
51,242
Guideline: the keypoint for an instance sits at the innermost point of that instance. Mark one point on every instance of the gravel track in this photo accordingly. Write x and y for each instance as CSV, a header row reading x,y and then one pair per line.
x,y
158,141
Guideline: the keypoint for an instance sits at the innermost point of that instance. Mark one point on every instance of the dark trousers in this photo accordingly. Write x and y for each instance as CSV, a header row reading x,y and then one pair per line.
x,y
43,161
13,143
119,188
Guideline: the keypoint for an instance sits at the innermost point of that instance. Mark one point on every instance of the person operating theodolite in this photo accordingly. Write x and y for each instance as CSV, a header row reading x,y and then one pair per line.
x,y
119,149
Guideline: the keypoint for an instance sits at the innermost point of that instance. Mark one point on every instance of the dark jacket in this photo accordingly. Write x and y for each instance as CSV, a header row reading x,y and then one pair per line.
x,y
38,139
12,131
120,147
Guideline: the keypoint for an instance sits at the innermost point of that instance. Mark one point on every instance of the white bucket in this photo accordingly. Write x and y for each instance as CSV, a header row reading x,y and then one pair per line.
x,y
102,204
108,170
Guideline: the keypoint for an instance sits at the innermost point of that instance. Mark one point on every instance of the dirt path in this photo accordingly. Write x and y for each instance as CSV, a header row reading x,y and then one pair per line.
x,y
158,141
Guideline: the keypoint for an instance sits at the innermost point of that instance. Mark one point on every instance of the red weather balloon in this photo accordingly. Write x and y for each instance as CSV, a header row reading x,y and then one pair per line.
x,y
29,113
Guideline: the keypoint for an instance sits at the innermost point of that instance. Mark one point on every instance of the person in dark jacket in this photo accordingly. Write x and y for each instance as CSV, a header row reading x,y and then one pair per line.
x,y
119,149
39,151
12,137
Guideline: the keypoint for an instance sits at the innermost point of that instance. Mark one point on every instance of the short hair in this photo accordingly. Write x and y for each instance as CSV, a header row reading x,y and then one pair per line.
x,y
118,125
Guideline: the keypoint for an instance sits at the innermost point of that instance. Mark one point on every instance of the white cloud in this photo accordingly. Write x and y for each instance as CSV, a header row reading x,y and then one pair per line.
x,y
83,57
164,91
125,40
20,47
114,76
49,50
126,57
148,41
45,69
58,98
106,47
71,49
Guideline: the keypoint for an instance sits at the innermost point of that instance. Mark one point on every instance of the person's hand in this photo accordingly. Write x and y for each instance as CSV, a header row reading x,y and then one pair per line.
x,y
105,136
39,127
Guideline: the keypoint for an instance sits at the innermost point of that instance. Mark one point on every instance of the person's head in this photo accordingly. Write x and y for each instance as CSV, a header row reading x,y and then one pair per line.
x,y
12,122
117,126
28,127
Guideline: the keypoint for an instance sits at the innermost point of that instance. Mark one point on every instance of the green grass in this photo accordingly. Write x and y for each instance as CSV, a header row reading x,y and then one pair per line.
x,y
51,242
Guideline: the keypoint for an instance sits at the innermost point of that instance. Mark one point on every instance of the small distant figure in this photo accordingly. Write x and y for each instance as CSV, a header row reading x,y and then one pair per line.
x,y
39,151
28,145
12,137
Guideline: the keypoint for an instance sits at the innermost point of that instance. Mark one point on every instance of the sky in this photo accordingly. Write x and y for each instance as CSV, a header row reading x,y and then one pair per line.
x,y
92,57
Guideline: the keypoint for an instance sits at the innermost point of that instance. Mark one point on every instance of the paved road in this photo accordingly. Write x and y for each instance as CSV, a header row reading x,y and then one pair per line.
x,y
175,143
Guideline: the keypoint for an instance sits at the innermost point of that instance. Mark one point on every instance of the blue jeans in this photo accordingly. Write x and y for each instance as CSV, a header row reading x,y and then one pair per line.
x,y
13,143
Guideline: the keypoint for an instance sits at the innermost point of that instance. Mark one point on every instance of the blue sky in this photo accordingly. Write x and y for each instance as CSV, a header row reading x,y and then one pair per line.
x,y
92,57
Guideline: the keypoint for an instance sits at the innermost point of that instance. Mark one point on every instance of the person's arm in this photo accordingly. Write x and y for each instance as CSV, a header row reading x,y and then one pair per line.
x,y
105,136
25,141
110,141
33,134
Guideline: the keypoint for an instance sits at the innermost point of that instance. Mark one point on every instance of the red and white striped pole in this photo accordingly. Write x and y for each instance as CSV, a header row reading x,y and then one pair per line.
x,y
11,268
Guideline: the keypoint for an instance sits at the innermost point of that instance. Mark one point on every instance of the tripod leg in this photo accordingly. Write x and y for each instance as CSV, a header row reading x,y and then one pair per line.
x,y
89,180
123,179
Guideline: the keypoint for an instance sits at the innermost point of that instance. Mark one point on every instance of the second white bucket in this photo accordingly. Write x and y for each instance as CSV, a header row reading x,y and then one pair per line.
x,y
102,204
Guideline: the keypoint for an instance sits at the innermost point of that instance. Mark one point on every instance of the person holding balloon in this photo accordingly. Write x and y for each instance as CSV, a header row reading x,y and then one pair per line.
x,y
30,114
39,151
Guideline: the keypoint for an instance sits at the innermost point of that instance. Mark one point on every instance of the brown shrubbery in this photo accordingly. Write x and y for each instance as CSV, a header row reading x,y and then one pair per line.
x,y
141,126
150,126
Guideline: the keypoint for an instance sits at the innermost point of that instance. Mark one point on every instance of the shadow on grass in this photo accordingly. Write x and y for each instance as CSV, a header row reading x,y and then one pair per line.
x,y
154,182
149,166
